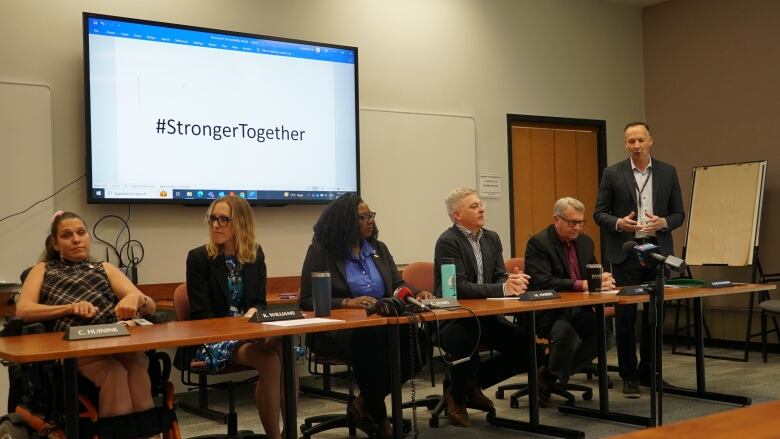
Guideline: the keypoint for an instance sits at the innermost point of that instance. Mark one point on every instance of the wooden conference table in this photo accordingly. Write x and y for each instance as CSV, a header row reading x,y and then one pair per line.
x,y
756,422
51,346
603,412
481,308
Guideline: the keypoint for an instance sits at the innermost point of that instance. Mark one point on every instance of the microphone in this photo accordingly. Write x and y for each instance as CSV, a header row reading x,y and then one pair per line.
x,y
641,250
405,295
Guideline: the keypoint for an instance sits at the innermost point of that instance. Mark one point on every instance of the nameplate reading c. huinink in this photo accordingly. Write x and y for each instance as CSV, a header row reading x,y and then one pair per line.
x,y
277,313
720,284
539,295
441,303
95,331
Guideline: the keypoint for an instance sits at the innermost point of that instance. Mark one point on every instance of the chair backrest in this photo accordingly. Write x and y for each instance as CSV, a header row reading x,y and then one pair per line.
x,y
511,263
24,274
181,302
420,275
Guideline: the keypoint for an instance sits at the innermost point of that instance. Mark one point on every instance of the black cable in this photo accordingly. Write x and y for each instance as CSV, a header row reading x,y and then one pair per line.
x,y
412,370
42,200
127,249
95,235
127,221
445,356
132,259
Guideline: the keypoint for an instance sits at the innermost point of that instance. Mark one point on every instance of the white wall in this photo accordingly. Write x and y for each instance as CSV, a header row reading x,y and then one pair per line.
x,y
573,58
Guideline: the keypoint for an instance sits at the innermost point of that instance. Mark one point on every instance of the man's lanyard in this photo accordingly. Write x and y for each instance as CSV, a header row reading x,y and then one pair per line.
x,y
640,191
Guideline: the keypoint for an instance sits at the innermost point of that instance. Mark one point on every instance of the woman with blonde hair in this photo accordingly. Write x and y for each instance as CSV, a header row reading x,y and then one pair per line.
x,y
227,277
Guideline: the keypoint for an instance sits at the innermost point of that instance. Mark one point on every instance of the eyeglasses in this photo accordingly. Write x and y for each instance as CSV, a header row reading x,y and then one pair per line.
x,y
221,220
572,223
366,218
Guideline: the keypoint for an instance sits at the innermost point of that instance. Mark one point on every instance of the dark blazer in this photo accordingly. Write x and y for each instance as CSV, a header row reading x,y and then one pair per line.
x,y
207,284
617,198
318,259
546,263
453,244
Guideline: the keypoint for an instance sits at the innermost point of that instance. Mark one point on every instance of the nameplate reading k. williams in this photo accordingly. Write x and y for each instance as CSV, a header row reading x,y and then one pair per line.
x,y
95,331
277,313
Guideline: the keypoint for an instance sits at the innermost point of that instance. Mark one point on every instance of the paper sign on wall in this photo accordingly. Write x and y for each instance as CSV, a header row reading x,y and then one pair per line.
x,y
489,185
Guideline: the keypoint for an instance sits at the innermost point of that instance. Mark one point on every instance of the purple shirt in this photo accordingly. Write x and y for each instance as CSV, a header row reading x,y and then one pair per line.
x,y
574,266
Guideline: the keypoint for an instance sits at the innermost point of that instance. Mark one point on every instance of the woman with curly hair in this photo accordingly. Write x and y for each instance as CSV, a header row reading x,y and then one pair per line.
x,y
362,271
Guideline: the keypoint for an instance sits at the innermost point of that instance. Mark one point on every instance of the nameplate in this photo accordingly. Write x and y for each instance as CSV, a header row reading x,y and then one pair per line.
x,y
441,303
720,284
633,291
276,313
540,295
95,331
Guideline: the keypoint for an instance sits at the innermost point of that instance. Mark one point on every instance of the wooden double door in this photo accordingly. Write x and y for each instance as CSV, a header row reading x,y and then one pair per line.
x,y
550,160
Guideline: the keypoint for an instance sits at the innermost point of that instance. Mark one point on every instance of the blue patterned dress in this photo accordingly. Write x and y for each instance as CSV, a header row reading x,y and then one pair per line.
x,y
217,355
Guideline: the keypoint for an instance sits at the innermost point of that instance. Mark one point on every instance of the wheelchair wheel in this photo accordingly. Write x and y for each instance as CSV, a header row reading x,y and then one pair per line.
x,y
9,430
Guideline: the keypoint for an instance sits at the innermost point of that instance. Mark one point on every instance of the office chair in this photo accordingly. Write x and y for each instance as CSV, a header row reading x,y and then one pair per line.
x,y
563,390
420,274
188,366
322,365
769,307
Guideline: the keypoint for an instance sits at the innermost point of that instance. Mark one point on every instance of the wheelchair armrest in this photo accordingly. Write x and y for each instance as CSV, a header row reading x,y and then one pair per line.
x,y
16,326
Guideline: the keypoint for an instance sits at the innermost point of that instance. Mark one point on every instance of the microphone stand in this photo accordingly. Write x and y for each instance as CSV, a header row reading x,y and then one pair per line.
x,y
655,319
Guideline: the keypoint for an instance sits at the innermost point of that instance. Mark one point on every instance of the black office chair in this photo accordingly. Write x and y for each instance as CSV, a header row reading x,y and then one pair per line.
x,y
769,308
189,367
322,366
562,390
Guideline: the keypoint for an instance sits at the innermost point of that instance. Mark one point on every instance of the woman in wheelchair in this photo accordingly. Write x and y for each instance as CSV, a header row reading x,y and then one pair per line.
x,y
68,288
363,272
227,277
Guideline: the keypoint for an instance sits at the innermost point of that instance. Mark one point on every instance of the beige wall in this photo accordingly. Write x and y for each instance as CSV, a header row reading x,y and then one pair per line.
x,y
482,58
712,84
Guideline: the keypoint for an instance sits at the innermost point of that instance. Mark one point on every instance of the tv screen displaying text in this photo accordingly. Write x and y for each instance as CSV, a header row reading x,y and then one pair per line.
x,y
184,114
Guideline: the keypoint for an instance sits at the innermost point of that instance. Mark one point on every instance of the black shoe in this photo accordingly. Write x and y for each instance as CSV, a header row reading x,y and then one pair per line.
x,y
630,386
545,385
644,381
359,416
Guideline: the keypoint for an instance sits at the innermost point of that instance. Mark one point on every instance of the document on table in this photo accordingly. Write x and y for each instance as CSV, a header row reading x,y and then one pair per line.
x,y
302,322
605,292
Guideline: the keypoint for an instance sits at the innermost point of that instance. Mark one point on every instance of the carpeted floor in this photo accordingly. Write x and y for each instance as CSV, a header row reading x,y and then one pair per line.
x,y
755,379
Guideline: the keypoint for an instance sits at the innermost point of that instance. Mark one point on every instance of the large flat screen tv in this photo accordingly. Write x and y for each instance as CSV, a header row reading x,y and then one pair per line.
x,y
181,114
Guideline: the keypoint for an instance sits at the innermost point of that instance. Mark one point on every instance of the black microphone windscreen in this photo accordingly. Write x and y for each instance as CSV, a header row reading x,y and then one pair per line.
x,y
628,246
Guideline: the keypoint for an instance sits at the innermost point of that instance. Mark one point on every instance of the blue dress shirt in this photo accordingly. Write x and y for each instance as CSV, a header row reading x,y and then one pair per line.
x,y
363,277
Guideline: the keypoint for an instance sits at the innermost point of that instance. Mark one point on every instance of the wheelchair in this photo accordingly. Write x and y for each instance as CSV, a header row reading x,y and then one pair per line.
x,y
36,401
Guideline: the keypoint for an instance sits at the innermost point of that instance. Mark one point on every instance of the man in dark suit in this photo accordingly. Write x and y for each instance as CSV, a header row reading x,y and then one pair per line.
x,y
480,273
639,200
556,259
